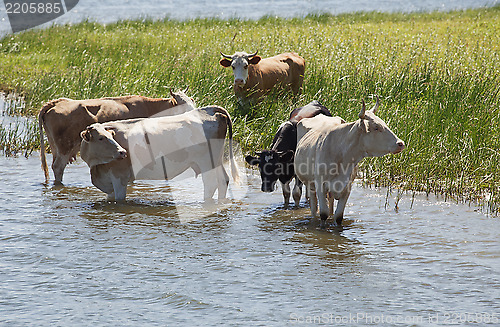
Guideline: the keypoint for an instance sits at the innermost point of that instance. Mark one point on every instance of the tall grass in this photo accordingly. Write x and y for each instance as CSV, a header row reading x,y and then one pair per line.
x,y
18,134
437,75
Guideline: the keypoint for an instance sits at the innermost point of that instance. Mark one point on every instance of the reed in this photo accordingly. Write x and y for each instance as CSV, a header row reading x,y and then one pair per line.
x,y
436,73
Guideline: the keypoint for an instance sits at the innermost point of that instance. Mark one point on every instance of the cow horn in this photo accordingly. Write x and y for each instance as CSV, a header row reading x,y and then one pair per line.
x,y
172,93
186,89
377,104
226,56
363,110
253,55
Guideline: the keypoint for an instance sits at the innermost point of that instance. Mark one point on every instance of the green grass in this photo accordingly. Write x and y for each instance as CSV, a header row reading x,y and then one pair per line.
x,y
436,73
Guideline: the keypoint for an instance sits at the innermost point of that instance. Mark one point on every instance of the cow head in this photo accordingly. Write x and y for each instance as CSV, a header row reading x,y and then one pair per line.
x,y
98,146
273,165
239,62
376,138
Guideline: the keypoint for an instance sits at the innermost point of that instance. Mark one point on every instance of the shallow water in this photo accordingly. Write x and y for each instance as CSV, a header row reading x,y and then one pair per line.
x,y
68,257
112,10
16,131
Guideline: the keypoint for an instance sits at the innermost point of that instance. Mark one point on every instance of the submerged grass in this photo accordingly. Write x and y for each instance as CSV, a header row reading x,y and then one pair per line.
x,y
436,73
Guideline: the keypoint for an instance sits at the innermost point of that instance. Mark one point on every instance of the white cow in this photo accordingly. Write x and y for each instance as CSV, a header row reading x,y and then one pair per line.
x,y
327,157
160,148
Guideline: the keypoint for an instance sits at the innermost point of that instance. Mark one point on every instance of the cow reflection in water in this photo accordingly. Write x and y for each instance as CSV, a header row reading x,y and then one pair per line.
x,y
162,148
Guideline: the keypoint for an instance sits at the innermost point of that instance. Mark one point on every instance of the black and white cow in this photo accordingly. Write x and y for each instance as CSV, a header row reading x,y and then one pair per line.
x,y
277,163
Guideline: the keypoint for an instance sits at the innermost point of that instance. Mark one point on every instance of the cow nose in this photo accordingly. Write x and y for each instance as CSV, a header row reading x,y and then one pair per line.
x,y
266,189
122,154
239,81
400,147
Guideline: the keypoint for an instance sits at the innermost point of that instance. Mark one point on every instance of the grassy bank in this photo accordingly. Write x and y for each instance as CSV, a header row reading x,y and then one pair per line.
x,y
437,75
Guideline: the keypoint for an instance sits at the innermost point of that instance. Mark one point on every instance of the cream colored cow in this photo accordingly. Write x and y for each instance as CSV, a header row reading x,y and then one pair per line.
x,y
160,148
327,157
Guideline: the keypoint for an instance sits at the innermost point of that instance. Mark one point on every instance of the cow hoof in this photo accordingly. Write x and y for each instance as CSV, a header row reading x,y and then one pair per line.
x,y
57,185
208,202
338,228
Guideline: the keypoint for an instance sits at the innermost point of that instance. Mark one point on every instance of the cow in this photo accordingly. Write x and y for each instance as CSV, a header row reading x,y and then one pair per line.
x,y
254,76
160,148
327,157
277,163
63,119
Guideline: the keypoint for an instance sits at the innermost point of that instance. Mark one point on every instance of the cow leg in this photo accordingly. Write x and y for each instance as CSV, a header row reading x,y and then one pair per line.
x,y
119,187
223,182
285,187
111,196
209,183
339,211
323,204
331,200
59,162
297,191
313,201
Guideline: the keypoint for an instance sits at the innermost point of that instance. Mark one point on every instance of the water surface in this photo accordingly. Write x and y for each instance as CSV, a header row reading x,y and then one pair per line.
x,y
68,257
112,10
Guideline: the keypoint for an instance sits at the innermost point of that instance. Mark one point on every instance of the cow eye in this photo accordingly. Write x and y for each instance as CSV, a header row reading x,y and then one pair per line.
x,y
246,67
101,138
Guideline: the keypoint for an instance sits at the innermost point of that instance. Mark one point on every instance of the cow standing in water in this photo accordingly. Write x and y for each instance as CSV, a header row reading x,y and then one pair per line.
x,y
277,163
160,148
327,157
63,120
254,76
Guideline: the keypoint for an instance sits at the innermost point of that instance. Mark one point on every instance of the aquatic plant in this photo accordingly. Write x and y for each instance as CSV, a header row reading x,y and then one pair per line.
x,y
436,73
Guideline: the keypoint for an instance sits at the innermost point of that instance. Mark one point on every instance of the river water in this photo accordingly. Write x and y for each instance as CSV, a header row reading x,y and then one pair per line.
x,y
112,10
69,258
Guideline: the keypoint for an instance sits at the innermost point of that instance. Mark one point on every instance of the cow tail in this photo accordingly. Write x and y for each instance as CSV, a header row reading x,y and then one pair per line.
x,y
234,166
43,159
49,105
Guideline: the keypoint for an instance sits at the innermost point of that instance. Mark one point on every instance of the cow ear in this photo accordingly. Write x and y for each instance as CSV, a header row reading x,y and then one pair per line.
x,y
286,156
86,135
225,62
252,161
255,60
363,125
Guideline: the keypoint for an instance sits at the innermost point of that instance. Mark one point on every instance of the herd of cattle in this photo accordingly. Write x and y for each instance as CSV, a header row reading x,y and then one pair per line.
x,y
136,137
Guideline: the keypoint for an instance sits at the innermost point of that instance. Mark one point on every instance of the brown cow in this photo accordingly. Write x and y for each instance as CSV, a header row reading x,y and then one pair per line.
x,y
254,76
64,119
